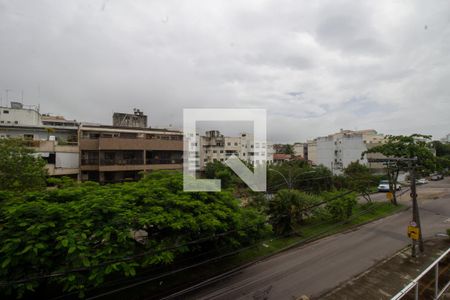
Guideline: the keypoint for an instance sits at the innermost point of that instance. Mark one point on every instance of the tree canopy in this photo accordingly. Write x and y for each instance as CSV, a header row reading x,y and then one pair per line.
x,y
20,168
115,228
360,179
415,146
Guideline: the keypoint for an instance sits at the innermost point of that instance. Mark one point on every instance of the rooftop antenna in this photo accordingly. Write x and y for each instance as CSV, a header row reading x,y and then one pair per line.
x,y
7,92
22,96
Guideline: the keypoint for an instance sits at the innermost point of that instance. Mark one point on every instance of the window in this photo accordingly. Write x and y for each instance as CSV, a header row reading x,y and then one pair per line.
x,y
235,144
16,122
214,151
6,111
229,144
221,151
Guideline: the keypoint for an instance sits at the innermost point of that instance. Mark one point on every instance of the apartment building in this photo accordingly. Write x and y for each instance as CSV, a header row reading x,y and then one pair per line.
x,y
54,138
299,149
311,151
214,146
113,154
336,151
91,151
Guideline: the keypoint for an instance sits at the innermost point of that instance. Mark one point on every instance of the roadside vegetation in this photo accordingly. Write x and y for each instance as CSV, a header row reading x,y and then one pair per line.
x,y
84,238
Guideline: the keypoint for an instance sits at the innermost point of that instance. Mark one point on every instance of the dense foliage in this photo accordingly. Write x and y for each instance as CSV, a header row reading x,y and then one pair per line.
x,y
19,169
340,204
442,156
284,148
289,208
415,146
116,228
359,178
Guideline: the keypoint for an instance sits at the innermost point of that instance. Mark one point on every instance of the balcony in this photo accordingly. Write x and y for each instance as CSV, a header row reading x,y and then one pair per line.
x,y
121,162
89,161
154,161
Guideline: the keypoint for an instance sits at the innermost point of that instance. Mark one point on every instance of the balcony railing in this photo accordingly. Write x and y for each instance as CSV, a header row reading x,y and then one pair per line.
x,y
154,161
441,281
129,161
89,161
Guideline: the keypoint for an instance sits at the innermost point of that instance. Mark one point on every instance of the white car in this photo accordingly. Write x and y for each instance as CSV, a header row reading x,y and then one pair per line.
x,y
421,181
384,186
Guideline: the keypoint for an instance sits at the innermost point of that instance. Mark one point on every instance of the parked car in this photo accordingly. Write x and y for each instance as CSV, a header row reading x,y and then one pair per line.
x,y
421,181
384,186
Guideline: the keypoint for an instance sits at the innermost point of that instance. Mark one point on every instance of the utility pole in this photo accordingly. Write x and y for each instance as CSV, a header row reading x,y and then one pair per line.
x,y
415,212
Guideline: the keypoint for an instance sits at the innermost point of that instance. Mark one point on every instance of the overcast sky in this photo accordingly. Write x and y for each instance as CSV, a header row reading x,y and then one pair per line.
x,y
316,66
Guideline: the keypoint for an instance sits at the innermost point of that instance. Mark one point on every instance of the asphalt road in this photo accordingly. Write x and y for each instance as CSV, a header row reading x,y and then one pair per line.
x,y
322,265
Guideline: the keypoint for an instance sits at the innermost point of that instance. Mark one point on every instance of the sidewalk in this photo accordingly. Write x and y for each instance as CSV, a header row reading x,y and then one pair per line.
x,y
388,277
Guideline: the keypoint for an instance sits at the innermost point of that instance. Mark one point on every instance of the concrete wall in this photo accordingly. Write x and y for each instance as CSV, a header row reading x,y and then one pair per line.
x,y
20,117
312,152
67,160
324,152
298,149
337,152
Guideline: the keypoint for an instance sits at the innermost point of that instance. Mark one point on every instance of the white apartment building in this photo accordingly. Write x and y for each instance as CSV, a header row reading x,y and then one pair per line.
x,y
299,149
52,137
338,150
216,147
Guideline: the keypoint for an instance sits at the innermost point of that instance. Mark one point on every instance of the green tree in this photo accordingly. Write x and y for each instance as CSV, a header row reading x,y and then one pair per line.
x,y
289,208
284,149
340,206
20,169
442,156
360,179
415,146
115,229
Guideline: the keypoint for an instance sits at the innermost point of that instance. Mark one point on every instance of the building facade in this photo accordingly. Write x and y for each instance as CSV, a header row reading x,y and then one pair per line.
x,y
336,151
214,146
113,154
53,138
135,120
299,149
90,151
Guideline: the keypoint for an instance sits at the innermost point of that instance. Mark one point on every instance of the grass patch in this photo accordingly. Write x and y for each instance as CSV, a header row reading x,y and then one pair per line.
x,y
317,229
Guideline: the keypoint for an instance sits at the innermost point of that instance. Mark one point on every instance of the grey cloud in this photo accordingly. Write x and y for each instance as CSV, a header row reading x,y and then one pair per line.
x,y
92,58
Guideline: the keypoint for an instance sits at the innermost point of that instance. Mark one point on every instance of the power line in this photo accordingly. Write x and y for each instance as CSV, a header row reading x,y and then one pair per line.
x,y
219,257
83,269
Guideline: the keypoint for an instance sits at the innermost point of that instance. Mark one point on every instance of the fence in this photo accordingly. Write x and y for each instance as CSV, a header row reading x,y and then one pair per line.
x,y
422,287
